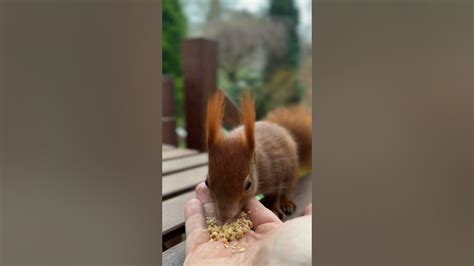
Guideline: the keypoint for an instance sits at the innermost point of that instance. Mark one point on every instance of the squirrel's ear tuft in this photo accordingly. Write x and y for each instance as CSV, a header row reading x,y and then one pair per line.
x,y
215,113
247,106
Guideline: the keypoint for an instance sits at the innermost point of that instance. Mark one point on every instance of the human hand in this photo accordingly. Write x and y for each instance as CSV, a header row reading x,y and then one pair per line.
x,y
255,243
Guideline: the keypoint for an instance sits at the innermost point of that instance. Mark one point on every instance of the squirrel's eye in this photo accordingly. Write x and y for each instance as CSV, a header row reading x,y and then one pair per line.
x,y
248,185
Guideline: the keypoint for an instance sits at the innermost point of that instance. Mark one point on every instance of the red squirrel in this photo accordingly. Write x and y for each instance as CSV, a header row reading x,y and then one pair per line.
x,y
261,157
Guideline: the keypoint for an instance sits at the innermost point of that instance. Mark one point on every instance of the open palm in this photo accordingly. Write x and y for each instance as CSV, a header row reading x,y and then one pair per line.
x,y
199,251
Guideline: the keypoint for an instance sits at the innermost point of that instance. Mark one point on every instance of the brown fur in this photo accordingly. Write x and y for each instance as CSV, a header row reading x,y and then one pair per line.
x,y
248,118
215,113
264,153
297,120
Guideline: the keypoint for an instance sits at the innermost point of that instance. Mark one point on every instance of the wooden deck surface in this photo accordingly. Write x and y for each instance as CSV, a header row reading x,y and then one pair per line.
x,y
176,153
185,163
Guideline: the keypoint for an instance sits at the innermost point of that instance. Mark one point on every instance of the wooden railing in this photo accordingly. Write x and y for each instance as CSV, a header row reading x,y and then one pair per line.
x,y
199,63
200,82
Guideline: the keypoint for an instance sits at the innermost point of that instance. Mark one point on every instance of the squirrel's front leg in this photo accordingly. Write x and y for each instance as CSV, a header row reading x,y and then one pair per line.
x,y
286,204
272,202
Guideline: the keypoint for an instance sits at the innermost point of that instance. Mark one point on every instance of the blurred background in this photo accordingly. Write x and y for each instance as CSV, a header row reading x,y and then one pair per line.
x,y
262,45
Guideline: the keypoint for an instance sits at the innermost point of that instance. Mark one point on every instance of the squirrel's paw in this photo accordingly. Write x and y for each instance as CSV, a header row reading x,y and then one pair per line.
x,y
288,207
278,212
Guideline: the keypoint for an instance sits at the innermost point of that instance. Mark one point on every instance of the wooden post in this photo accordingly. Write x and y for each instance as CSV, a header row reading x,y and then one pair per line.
x,y
169,112
200,82
231,113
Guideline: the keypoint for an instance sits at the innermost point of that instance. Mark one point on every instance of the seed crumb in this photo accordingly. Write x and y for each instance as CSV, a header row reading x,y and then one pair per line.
x,y
229,232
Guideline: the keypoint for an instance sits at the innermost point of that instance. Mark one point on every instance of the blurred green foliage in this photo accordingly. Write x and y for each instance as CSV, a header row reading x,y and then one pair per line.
x,y
174,31
285,11
259,52
281,71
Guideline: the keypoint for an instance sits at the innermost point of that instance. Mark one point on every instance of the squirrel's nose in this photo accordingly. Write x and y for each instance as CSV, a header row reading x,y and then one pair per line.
x,y
227,212
228,218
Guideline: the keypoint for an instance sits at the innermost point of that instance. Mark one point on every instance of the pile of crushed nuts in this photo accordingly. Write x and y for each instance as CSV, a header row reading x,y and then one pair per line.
x,y
229,231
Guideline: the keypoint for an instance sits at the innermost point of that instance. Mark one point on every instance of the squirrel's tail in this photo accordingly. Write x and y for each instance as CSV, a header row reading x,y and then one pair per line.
x,y
297,120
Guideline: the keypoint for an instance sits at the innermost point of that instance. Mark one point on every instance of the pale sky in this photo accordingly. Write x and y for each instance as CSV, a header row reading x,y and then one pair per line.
x,y
254,6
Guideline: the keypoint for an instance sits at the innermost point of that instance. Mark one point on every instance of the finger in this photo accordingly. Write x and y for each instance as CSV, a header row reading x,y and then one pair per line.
x,y
309,209
259,214
195,224
203,194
